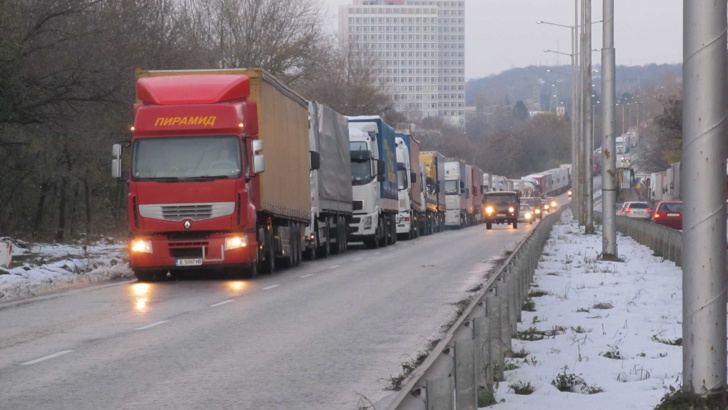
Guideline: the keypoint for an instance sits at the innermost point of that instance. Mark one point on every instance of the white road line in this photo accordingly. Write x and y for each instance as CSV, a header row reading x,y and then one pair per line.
x,y
152,325
305,276
50,356
222,303
334,267
271,287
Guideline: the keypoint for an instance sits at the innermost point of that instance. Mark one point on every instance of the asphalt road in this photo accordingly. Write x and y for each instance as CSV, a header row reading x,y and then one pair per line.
x,y
326,335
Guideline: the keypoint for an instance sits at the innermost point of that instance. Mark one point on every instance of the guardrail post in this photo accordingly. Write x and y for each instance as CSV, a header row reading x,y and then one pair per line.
x,y
512,289
496,342
481,333
466,391
439,394
502,290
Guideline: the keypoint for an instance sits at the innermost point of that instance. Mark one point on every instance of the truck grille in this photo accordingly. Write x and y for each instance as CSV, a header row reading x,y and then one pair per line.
x,y
195,212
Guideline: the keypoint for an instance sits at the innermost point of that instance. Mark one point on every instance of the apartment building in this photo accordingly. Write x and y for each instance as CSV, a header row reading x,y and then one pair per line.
x,y
419,49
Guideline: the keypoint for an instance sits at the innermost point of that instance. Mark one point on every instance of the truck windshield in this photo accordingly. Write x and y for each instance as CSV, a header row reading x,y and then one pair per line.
x,y
186,158
361,172
402,179
501,199
452,187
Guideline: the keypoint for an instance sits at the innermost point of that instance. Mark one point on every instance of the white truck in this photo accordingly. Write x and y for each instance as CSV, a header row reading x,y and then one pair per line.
x,y
411,216
331,190
374,179
456,206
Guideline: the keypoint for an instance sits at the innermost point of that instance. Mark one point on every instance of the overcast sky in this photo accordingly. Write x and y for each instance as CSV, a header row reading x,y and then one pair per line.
x,y
503,34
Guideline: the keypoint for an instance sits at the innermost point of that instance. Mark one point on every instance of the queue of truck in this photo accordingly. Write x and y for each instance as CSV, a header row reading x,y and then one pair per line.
x,y
231,170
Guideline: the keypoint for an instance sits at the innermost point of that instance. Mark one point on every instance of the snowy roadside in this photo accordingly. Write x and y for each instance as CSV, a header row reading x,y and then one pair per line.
x,y
601,334
38,269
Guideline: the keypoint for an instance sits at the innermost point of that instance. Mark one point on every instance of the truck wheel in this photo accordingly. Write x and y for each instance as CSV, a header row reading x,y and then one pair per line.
x,y
515,224
488,225
247,272
268,264
325,246
310,253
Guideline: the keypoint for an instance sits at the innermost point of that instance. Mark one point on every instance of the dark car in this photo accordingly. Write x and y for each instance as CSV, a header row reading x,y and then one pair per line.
x,y
536,203
501,207
669,213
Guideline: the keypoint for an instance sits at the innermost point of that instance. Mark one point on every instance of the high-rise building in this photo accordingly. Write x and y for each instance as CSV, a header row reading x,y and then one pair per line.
x,y
419,46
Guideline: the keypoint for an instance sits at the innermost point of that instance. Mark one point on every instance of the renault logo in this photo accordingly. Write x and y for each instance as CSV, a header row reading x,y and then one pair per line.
x,y
188,225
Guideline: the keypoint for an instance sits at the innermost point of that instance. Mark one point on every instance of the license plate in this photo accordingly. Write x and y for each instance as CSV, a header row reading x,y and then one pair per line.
x,y
672,214
189,262
501,214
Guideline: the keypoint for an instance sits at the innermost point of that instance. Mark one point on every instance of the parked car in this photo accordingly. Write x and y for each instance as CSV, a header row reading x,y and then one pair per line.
x,y
669,213
638,209
525,213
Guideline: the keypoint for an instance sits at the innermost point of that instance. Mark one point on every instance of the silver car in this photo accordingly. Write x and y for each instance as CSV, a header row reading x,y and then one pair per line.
x,y
636,209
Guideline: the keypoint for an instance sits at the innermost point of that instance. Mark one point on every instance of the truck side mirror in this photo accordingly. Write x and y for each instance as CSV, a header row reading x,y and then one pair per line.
x,y
315,160
462,187
380,178
257,146
258,164
437,187
380,167
413,177
116,161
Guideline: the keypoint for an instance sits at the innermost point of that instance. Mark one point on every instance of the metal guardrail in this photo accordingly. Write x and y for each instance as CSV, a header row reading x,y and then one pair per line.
x,y
471,355
665,242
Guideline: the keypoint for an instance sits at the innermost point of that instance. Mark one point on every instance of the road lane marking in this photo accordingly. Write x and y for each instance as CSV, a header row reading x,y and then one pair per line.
x,y
334,267
152,325
271,287
50,356
305,276
358,259
222,303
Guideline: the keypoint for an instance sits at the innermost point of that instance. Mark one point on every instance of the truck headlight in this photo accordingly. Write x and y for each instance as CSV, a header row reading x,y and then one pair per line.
x,y
511,209
368,222
236,242
140,246
489,209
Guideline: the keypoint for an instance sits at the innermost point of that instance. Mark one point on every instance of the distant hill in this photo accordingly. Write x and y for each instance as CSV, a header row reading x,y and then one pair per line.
x,y
542,86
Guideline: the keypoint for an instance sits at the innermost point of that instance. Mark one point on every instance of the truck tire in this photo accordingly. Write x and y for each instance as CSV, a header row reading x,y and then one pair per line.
x,y
325,246
515,224
310,253
268,264
488,225
247,272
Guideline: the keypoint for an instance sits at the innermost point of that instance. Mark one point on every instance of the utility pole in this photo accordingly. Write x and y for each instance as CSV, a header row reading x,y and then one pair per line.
x,y
704,208
609,143
587,141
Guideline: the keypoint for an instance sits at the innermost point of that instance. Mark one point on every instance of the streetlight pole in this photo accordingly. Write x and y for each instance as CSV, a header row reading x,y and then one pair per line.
x,y
575,117
587,198
609,161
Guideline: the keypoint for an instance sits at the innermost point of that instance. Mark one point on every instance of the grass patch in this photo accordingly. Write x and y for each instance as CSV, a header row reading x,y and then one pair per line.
x,y
677,399
521,388
579,329
521,354
603,306
612,353
582,310
672,342
528,305
395,382
537,293
486,395
531,334
570,382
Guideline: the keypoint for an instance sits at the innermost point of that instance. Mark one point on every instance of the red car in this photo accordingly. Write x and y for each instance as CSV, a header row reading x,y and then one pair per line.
x,y
669,213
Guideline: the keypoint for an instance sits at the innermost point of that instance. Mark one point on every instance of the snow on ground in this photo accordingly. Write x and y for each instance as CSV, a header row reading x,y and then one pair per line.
x,y
42,268
608,328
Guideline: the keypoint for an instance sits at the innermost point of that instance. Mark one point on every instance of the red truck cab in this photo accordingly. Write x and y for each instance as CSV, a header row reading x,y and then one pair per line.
x,y
194,162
